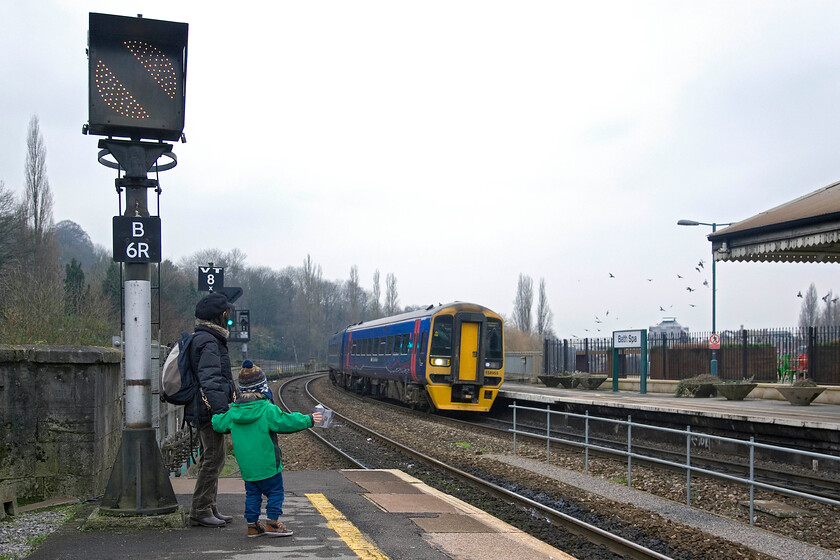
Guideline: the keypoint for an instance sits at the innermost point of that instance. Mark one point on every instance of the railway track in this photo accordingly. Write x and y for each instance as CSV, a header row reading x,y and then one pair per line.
x,y
777,475
292,397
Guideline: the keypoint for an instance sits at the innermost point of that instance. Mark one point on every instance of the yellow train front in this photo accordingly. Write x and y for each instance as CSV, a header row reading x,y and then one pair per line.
x,y
445,357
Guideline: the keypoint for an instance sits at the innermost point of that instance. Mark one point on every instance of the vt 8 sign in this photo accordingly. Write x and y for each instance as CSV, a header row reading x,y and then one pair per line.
x,y
137,239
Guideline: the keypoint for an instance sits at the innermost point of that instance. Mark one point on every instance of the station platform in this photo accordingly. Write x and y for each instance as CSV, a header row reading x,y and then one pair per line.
x,y
343,515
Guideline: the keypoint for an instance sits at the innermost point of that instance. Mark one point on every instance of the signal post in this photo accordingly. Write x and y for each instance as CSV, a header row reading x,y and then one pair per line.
x,y
137,69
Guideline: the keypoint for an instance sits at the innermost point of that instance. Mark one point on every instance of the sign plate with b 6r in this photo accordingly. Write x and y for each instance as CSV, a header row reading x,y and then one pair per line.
x,y
137,239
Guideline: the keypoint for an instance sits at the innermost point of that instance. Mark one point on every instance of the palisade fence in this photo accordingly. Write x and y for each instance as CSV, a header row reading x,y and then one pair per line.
x,y
767,355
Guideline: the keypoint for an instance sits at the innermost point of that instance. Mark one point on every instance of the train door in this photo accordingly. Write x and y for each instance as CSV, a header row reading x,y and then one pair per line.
x,y
468,360
468,351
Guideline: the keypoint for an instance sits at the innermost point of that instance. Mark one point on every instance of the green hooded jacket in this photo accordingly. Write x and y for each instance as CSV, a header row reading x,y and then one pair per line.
x,y
253,425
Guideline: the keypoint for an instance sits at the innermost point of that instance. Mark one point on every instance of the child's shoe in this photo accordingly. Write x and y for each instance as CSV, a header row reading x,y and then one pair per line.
x,y
256,530
274,528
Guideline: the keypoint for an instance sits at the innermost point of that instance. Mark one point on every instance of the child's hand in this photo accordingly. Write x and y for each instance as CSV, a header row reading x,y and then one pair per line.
x,y
316,417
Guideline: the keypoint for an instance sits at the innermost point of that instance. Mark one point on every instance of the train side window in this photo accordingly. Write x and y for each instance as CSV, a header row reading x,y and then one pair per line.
x,y
390,347
382,342
441,344
353,349
368,343
406,343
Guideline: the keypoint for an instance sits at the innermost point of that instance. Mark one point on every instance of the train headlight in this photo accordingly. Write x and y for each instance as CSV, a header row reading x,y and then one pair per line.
x,y
492,365
444,362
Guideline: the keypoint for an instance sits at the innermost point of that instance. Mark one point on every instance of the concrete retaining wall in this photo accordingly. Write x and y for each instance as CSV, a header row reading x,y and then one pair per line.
x,y
61,418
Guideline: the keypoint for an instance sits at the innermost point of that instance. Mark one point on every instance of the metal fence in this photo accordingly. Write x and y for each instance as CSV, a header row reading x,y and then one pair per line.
x,y
689,437
767,355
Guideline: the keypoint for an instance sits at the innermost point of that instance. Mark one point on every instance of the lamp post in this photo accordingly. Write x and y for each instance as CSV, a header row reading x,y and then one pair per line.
x,y
713,366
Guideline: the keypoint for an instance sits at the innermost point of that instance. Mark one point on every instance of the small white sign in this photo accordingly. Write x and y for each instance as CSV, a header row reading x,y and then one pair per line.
x,y
627,339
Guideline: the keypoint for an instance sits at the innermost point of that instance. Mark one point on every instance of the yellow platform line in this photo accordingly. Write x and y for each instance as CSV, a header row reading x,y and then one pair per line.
x,y
348,532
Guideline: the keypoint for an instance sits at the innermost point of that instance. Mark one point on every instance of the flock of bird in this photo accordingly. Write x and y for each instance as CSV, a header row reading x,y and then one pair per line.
x,y
699,268
825,298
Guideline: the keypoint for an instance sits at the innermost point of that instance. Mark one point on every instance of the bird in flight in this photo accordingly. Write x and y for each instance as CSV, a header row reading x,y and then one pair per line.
x,y
799,294
661,308
701,263
706,283
697,268
690,289
650,279
692,305
826,296
678,276
611,275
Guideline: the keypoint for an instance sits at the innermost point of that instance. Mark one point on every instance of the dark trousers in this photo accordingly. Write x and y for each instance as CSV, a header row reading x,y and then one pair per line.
x,y
273,490
210,464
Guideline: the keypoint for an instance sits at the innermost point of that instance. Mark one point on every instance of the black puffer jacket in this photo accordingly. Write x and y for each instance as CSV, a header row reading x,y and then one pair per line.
x,y
211,363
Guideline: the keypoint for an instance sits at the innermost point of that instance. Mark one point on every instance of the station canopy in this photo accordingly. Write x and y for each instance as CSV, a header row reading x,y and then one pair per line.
x,y
806,229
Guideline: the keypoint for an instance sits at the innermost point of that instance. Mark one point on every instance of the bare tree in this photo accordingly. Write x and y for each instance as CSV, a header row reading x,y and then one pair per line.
x,y
375,308
391,299
545,317
523,303
809,313
38,198
10,225
232,261
353,298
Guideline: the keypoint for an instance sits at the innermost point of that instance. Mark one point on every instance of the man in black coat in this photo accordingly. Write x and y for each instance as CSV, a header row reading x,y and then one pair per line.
x,y
210,360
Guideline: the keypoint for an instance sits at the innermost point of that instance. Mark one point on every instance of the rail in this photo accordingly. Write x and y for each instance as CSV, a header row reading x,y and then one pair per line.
x,y
687,466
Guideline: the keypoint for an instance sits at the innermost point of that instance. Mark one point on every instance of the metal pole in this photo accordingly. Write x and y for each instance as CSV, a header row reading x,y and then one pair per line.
x,y
548,433
714,364
629,451
586,447
139,483
688,465
752,474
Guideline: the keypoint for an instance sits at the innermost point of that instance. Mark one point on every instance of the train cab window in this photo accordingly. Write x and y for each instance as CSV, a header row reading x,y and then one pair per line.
x,y
495,349
390,348
441,345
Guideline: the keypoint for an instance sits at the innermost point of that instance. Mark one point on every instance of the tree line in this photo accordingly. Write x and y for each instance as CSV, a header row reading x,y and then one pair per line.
x,y
58,287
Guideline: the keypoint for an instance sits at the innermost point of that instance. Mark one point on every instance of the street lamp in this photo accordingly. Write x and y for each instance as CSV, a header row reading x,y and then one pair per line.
x,y
713,365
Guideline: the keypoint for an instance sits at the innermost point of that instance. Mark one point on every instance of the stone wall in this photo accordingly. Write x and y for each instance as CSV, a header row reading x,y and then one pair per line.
x,y
61,418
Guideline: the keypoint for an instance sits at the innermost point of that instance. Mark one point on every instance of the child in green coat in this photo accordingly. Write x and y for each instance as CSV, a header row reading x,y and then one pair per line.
x,y
253,422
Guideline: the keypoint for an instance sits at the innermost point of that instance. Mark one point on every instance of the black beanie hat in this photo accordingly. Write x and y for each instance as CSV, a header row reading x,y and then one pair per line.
x,y
211,306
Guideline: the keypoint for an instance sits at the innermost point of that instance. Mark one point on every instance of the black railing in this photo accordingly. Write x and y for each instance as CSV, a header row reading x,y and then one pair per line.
x,y
766,355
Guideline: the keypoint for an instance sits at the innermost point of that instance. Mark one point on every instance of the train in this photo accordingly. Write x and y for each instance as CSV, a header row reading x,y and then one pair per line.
x,y
446,357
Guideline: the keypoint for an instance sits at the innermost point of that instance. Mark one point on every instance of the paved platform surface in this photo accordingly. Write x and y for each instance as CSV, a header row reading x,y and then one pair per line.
x,y
345,515
781,413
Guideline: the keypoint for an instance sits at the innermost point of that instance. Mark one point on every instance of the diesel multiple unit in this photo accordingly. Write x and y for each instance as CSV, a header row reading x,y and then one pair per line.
x,y
445,357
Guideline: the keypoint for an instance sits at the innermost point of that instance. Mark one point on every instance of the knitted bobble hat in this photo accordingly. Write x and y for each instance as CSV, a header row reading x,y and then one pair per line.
x,y
251,377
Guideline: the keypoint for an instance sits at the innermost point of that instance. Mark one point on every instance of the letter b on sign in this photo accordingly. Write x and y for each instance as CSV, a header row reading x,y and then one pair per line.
x,y
137,239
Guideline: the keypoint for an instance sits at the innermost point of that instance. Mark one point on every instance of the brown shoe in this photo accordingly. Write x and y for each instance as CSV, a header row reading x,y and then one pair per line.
x,y
276,529
256,530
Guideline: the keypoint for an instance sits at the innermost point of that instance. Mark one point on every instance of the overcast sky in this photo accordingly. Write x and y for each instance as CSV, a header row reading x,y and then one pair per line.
x,y
459,144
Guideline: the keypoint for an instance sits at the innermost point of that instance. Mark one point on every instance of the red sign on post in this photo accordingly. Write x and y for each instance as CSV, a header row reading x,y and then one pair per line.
x,y
714,342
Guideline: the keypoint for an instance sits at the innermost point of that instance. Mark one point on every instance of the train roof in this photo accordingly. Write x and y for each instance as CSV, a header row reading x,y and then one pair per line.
x,y
418,314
